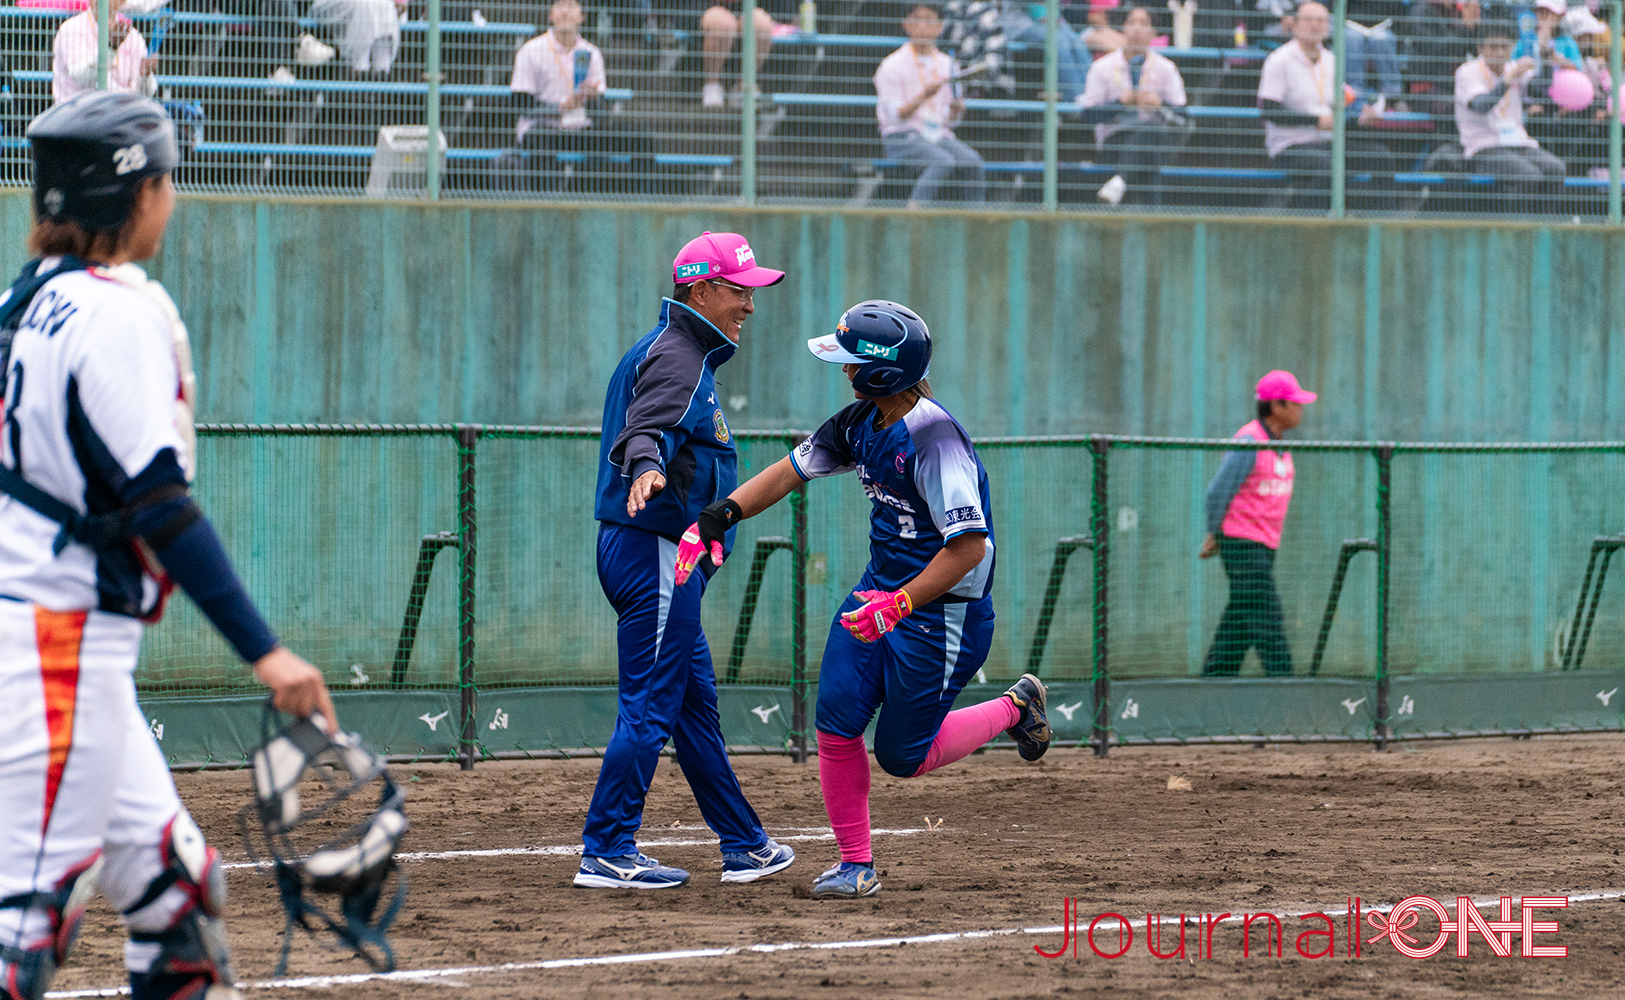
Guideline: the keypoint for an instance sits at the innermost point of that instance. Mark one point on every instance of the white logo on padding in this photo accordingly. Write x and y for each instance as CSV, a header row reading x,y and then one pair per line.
x,y
1602,696
158,729
744,253
764,713
1069,710
1131,710
1352,705
499,720
129,158
433,720
1407,706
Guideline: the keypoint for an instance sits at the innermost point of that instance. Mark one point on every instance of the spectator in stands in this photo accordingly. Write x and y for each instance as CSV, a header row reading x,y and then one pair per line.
x,y
1132,99
1098,34
981,31
720,29
556,77
73,56
917,109
1297,100
561,71
1440,33
288,42
1373,50
1489,116
368,31
1546,43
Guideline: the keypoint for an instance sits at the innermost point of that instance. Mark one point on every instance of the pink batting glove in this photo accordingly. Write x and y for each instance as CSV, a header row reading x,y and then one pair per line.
x,y
691,550
879,615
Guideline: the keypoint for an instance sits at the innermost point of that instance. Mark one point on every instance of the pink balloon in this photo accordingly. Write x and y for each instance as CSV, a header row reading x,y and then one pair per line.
x,y
1571,90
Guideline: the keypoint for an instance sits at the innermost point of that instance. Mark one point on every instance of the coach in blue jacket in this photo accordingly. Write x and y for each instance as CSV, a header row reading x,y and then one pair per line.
x,y
666,453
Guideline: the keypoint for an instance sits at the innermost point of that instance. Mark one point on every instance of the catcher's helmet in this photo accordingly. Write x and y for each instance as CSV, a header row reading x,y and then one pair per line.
x,y
295,838
91,153
888,339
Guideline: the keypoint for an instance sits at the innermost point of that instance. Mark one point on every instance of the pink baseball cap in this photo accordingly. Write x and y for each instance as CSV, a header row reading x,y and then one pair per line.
x,y
722,255
1283,385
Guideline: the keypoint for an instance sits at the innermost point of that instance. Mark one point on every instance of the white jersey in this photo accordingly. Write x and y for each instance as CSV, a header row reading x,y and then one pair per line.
x,y
94,392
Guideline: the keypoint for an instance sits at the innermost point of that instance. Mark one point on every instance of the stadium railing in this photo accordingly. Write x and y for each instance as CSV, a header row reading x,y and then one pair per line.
x,y
1483,610
307,107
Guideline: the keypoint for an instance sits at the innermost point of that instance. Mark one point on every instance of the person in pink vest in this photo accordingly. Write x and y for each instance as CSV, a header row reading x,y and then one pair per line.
x,y
1246,507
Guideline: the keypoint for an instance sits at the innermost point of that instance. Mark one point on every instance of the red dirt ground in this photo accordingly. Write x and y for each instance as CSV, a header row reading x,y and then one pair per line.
x,y
1279,829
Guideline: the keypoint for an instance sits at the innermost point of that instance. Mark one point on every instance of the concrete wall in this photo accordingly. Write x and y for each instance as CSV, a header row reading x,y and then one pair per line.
x,y
340,311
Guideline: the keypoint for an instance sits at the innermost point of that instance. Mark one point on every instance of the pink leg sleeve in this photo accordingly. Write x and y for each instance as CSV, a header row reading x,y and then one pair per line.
x,y
843,773
968,728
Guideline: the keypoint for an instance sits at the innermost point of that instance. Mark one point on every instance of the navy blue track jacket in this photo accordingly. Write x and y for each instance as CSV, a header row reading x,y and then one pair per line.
x,y
662,412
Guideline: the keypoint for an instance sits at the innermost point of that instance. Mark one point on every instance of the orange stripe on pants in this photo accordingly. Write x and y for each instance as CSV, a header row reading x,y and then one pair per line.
x,y
58,634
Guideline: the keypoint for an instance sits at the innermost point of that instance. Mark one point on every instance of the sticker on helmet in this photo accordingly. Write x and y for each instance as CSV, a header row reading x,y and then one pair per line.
x,y
877,350
129,158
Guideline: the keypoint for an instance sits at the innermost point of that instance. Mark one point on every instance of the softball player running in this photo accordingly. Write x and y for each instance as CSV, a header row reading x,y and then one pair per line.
x,y
95,525
921,621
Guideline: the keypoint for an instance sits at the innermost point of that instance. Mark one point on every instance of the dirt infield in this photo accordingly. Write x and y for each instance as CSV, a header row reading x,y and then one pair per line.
x,y
1282,829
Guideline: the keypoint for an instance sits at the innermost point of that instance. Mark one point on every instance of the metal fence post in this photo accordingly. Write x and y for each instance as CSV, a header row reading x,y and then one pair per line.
x,y
1052,117
1616,24
1340,14
798,624
747,115
431,112
102,54
467,527
1385,546
1099,529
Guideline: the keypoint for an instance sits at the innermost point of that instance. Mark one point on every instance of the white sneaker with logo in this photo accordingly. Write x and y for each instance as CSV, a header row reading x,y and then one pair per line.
x,y
1112,191
312,52
631,871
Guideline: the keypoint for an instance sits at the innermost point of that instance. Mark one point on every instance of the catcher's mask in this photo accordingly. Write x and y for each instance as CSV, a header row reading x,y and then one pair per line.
x,y
294,837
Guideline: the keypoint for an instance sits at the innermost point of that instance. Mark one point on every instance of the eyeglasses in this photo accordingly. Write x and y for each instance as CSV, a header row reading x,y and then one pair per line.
x,y
746,294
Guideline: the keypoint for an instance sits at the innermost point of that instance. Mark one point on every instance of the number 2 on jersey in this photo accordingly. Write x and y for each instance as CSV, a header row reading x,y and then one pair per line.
x,y
905,526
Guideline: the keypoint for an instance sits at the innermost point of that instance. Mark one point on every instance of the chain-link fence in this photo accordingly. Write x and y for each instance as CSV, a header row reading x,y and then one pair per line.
x,y
1377,106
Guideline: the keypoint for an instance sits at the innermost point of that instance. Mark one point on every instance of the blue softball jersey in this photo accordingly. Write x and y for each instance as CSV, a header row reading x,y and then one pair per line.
x,y
924,480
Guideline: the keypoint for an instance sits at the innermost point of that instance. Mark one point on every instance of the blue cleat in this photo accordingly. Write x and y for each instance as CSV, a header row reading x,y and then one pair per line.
x,y
631,871
847,880
1031,732
752,865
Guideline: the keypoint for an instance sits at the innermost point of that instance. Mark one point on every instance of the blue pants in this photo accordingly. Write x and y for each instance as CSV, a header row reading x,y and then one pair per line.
x,y
913,674
668,691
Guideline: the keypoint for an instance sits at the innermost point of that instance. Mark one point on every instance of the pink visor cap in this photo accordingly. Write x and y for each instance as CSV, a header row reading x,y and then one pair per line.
x,y
1283,385
722,255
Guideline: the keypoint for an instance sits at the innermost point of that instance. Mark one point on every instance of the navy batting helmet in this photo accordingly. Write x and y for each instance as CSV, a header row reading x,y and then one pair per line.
x,y
91,153
888,339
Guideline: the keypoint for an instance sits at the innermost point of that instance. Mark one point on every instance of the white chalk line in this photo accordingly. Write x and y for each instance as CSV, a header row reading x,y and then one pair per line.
x,y
575,849
418,975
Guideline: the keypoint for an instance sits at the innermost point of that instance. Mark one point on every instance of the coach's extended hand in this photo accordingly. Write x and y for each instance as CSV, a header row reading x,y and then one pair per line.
x,y
879,615
705,537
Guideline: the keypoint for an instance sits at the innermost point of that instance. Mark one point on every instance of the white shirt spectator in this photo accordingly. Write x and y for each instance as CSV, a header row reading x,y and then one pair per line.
x,y
546,70
903,76
1300,85
370,37
73,60
1502,125
1110,80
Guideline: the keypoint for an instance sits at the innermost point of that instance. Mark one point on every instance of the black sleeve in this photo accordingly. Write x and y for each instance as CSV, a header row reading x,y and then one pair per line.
x,y
1484,103
1275,111
665,387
